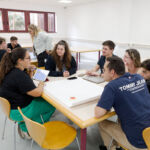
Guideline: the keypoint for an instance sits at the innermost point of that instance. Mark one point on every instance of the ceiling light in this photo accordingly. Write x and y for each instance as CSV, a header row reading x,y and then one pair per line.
x,y
65,1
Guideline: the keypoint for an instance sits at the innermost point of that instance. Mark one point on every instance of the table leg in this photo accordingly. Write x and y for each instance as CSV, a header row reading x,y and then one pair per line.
x,y
99,53
79,56
83,139
77,59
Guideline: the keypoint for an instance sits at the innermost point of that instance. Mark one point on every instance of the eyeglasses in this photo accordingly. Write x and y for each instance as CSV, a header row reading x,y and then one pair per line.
x,y
127,57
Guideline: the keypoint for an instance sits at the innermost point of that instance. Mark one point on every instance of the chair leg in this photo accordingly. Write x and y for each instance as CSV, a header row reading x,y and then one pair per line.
x,y
42,118
78,142
4,128
15,136
31,144
110,144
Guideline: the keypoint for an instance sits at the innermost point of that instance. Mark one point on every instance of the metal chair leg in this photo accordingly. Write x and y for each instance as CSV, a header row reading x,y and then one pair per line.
x,y
31,144
78,143
15,136
4,128
42,118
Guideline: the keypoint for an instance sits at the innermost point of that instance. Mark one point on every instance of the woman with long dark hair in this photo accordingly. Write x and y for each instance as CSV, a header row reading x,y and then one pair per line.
x,y
60,62
18,88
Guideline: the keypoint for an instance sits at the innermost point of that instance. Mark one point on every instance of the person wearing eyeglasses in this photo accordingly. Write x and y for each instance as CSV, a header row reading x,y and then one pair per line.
x,y
18,88
42,43
132,60
108,48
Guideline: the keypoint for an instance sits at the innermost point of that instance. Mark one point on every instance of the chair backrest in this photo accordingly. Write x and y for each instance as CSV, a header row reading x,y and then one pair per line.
x,y
146,137
35,130
5,105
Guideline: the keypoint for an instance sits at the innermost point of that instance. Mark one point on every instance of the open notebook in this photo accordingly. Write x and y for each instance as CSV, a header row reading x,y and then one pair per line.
x,y
95,79
73,92
40,75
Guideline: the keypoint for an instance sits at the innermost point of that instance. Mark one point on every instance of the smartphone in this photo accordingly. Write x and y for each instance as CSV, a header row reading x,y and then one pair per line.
x,y
71,78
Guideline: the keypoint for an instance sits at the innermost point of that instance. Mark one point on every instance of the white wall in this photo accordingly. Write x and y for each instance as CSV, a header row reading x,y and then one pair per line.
x,y
140,23
102,20
24,38
123,21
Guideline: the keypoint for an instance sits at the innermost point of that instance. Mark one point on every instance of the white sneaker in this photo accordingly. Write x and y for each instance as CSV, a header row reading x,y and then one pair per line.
x,y
27,136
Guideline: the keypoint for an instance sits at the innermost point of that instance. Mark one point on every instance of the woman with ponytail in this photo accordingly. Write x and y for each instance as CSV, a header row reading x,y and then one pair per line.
x,y
18,88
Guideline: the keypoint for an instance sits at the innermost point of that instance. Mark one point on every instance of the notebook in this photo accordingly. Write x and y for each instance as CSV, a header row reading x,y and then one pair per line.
x,y
95,79
73,92
40,75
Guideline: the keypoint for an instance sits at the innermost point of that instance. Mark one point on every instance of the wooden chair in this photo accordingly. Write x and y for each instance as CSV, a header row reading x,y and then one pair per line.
x,y
146,137
5,105
50,135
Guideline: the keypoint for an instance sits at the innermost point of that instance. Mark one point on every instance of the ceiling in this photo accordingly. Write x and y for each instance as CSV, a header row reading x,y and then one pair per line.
x,y
53,2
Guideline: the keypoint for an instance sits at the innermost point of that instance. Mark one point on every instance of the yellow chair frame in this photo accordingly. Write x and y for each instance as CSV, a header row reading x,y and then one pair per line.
x,y
50,135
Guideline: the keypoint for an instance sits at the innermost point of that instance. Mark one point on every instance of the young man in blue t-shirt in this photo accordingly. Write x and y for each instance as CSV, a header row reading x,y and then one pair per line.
x,y
128,95
108,48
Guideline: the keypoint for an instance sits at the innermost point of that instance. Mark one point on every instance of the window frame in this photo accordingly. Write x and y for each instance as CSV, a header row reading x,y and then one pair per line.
x,y
5,20
54,22
2,22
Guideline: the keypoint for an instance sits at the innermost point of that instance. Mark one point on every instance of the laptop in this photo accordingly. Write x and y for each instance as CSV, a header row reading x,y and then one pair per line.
x,y
95,79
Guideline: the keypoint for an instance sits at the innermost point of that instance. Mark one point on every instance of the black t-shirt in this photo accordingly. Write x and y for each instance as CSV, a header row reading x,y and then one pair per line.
x,y
101,62
15,86
10,46
2,52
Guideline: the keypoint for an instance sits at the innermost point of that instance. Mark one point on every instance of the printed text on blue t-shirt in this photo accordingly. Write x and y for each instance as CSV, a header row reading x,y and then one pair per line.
x,y
134,86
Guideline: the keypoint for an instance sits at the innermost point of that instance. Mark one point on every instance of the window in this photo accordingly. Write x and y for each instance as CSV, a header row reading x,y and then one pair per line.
x,y
1,25
16,20
37,19
51,22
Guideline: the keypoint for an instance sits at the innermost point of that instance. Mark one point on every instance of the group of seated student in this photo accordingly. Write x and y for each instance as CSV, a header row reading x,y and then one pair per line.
x,y
16,85
126,91
128,94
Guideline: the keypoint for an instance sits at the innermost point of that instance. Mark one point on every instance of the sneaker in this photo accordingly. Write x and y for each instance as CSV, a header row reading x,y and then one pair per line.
x,y
102,147
27,136
20,133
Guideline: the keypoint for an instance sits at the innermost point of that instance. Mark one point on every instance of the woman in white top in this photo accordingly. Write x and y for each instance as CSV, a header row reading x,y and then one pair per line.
x,y
42,43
